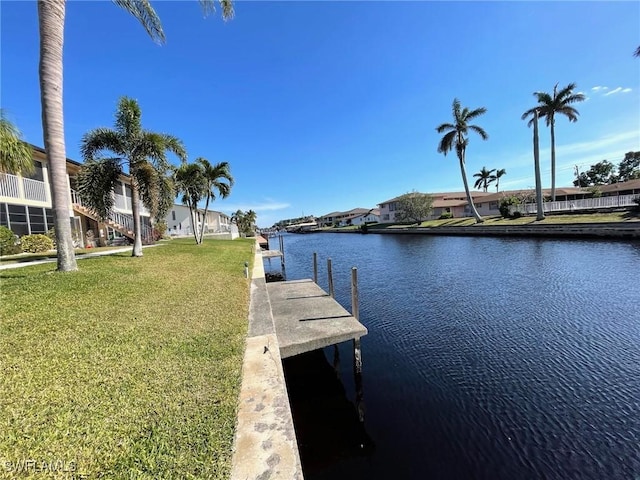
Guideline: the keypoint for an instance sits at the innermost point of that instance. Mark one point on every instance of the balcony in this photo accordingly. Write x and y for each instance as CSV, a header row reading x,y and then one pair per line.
x,y
13,186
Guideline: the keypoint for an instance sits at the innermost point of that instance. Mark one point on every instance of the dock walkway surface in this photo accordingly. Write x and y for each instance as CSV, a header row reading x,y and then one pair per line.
x,y
307,318
285,319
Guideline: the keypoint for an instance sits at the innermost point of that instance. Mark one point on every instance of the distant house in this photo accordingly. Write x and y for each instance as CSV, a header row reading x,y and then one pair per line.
x,y
372,216
26,208
340,218
180,223
488,204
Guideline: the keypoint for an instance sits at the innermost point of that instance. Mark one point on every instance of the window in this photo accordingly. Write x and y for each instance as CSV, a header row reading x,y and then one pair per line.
x,y
37,173
18,220
385,216
493,206
36,220
392,207
4,219
173,215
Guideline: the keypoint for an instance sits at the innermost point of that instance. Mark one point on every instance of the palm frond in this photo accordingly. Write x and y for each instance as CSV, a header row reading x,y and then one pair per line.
x,y
146,15
444,127
96,182
447,142
146,177
480,131
208,6
176,146
166,196
16,156
637,53
101,139
569,112
474,113
128,117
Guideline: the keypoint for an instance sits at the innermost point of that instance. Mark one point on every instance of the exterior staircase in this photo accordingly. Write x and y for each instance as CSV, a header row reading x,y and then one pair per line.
x,y
120,222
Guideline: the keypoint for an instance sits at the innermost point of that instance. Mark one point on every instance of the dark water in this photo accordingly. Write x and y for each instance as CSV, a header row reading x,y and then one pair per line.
x,y
486,358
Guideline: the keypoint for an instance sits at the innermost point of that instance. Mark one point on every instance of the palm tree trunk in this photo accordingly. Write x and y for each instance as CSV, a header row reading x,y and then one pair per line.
x,y
51,26
536,161
192,215
135,209
206,209
553,160
472,206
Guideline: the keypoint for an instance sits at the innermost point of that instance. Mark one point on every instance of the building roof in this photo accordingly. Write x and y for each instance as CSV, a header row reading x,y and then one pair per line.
x,y
442,196
616,187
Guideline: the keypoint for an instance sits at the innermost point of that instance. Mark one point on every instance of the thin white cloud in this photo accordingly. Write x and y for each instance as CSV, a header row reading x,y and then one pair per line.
x,y
266,206
595,89
615,90
626,90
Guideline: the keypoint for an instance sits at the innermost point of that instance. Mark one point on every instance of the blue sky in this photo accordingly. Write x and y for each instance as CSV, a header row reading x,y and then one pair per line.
x,y
323,106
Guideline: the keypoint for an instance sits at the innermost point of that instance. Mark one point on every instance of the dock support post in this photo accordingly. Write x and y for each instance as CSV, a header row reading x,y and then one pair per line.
x,y
355,309
336,359
357,377
315,268
330,274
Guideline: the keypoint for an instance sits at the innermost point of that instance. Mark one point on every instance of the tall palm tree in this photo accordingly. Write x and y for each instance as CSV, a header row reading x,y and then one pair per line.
x,y
51,14
142,152
215,176
549,106
536,163
496,177
16,156
485,177
456,137
192,185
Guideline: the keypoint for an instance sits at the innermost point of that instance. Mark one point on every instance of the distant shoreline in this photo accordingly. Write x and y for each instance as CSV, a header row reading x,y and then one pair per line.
x,y
609,230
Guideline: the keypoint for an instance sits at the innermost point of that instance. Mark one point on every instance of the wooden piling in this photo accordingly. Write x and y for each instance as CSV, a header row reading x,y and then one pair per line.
x,y
355,308
315,268
332,292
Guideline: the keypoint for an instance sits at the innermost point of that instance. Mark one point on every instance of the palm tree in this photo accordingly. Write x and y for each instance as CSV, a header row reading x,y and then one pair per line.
x,y
51,15
16,156
496,178
456,137
192,185
214,176
141,151
637,52
485,177
550,105
536,163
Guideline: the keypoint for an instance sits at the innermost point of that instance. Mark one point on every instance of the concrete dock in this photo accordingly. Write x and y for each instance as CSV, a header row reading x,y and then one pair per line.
x,y
285,319
306,318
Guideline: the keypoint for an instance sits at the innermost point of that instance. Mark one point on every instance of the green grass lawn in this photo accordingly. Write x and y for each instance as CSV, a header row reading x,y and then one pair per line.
x,y
527,220
29,257
130,367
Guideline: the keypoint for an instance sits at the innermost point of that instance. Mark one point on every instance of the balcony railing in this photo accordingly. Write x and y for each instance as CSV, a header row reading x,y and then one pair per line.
x,y
14,186
613,201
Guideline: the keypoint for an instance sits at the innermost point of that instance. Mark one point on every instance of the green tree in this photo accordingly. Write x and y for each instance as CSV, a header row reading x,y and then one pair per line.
x,y
141,152
219,180
414,207
456,137
245,221
601,173
497,176
51,15
16,156
550,105
192,185
629,167
485,177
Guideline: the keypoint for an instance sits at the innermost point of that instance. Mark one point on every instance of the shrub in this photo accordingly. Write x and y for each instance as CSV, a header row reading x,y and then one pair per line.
x,y
36,243
446,216
516,214
505,203
8,242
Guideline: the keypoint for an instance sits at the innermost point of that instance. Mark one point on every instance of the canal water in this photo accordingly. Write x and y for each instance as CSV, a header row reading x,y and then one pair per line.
x,y
486,358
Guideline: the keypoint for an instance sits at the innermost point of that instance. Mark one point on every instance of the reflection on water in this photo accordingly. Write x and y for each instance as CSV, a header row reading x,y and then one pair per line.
x,y
487,358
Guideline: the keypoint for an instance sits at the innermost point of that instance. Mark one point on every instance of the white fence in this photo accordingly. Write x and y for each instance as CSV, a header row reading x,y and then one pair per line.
x,y
17,187
576,205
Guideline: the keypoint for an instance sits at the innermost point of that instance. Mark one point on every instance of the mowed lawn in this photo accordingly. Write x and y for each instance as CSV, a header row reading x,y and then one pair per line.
x,y
128,368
